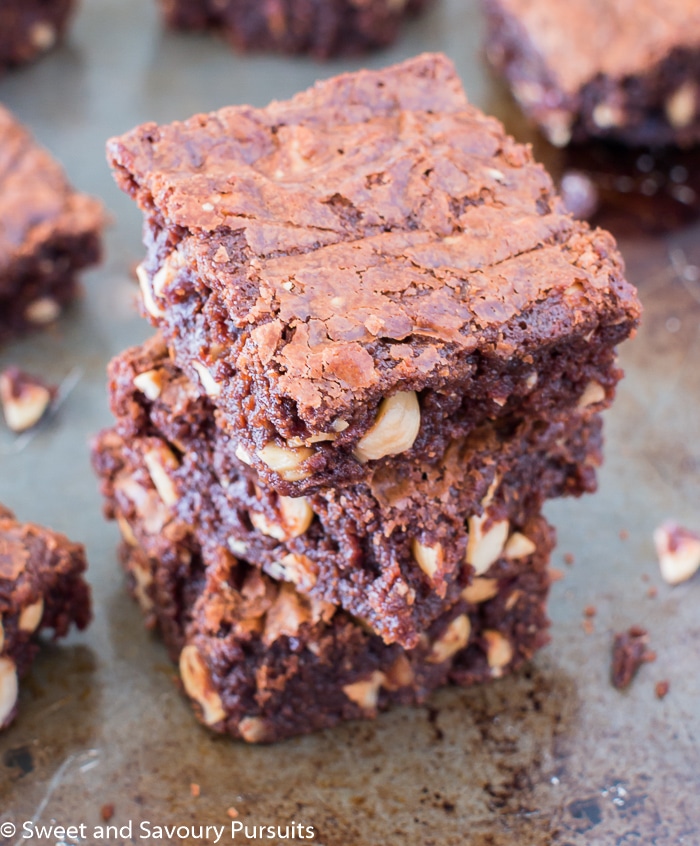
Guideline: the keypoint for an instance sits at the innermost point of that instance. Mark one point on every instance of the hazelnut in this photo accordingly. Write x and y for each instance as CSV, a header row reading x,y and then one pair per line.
x,y
149,302
606,116
143,579
167,273
484,548
400,674
592,394
296,516
365,693
42,311
285,616
24,399
428,558
158,462
454,638
499,652
8,690
212,388
30,617
287,463
298,569
150,383
237,547
480,590
243,455
681,106
198,685
395,429
253,729
42,35
126,531
678,550
519,546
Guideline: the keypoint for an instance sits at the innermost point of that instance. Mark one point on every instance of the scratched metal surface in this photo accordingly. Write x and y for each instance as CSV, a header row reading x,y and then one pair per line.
x,y
552,756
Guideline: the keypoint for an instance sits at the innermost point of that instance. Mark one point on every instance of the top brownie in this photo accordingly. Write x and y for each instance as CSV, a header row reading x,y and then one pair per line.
x,y
367,269
624,69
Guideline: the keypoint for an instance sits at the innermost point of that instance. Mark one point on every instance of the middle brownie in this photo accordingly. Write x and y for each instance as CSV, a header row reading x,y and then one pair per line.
x,y
395,551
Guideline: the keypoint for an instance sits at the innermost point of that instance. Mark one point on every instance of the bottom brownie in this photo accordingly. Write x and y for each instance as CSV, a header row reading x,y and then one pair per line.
x,y
41,587
263,662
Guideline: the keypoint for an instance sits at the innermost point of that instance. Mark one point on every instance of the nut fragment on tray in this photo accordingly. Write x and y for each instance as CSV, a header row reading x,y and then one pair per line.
x,y
382,347
29,28
41,587
48,232
330,28
678,550
24,398
627,72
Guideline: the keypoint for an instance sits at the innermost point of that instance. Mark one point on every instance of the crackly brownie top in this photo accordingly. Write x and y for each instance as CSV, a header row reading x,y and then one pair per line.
x,y
580,39
36,200
365,233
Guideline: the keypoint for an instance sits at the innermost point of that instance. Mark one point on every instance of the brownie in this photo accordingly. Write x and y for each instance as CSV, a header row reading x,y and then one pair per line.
x,y
361,274
29,28
41,587
394,551
322,28
628,72
262,662
48,232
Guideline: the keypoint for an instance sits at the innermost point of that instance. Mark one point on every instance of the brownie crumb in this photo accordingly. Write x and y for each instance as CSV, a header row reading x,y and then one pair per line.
x,y
590,611
588,627
653,592
661,689
107,811
569,558
629,653
195,790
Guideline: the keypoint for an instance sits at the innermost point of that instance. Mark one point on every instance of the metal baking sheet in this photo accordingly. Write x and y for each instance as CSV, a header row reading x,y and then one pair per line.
x,y
553,755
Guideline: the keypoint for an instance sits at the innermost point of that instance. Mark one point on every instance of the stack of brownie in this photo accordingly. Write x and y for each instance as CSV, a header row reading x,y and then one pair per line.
x,y
382,345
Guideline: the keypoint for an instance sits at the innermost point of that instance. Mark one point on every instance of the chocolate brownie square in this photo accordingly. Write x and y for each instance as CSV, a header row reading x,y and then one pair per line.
x,y
361,274
262,662
48,232
41,587
628,72
394,551
29,28
322,28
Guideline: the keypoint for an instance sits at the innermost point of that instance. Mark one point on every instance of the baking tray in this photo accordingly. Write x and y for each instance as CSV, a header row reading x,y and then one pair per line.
x,y
553,755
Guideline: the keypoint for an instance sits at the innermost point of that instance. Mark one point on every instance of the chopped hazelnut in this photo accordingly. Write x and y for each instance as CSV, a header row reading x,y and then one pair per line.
x,y
395,429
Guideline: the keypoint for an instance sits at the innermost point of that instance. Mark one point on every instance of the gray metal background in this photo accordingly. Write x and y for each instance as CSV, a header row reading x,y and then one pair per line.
x,y
552,756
